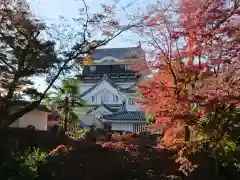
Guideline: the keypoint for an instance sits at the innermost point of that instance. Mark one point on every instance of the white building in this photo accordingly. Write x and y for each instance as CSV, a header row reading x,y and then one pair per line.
x,y
109,89
37,117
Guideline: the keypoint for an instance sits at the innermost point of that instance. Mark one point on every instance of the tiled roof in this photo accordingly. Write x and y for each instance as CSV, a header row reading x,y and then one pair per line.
x,y
127,53
83,125
133,85
126,116
120,53
129,89
109,105
105,77
115,69
112,110
115,79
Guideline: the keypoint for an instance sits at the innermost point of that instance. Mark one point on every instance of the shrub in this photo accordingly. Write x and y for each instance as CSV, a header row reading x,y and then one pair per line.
x,y
80,134
23,165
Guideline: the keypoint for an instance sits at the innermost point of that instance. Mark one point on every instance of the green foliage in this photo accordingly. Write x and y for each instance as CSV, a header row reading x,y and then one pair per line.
x,y
218,136
228,146
63,99
24,165
83,131
237,166
78,134
151,119
31,158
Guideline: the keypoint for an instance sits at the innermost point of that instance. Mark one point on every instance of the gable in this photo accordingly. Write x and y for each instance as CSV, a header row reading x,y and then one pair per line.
x,y
104,85
102,110
106,91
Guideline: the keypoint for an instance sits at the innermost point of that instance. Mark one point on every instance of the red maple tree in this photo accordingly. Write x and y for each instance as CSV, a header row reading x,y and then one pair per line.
x,y
196,42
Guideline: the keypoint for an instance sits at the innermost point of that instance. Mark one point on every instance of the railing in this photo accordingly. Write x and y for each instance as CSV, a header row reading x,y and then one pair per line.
x,y
139,128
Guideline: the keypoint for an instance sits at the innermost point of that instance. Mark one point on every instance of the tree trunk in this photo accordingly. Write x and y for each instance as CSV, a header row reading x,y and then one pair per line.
x,y
66,104
186,133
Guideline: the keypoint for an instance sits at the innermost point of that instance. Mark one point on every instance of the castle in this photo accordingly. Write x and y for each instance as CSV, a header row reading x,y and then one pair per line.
x,y
108,88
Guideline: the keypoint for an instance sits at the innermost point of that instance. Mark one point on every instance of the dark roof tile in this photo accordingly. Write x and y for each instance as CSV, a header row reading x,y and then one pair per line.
x,y
120,53
112,110
126,116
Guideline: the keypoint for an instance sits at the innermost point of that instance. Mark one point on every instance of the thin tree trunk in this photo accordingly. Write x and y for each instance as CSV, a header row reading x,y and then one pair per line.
x,y
66,110
186,133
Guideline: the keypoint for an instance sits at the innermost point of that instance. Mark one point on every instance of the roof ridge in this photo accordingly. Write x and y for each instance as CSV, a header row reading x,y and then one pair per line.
x,y
111,81
102,104
116,113
105,77
126,114
120,53
107,107
118,48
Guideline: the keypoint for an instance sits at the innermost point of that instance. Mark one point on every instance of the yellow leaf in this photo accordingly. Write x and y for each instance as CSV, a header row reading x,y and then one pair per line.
x,y
88,60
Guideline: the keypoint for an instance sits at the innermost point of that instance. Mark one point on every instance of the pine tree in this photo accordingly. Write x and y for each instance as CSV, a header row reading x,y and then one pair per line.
x,y
23,51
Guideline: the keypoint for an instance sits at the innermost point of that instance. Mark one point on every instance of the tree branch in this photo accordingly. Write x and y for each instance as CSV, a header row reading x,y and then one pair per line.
x,y
13,117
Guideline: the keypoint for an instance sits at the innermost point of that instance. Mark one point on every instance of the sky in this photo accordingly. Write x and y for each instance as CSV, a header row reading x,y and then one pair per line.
x,y
51,10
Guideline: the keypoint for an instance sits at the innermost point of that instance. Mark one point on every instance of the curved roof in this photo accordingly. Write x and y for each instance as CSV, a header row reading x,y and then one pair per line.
x,y
106,78
112,110
119,53
126,116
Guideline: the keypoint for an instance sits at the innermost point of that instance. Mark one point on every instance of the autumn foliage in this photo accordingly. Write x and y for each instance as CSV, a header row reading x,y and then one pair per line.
x,y
196,68
126,156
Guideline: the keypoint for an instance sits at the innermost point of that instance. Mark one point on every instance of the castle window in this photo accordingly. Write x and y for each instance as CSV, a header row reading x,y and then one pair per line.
x,y
93,98
105,97
131,101
128,67
92,68
115,98
111,69
122,66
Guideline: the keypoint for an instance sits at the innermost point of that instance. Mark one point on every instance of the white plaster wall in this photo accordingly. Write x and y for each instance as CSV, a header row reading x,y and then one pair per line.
x,y
86,86
131,108
98,98
122,127
100,87
134,107
36,118
15,124
97,92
